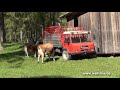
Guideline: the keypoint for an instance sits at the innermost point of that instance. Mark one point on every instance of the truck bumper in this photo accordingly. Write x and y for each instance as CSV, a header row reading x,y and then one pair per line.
x,y
83,53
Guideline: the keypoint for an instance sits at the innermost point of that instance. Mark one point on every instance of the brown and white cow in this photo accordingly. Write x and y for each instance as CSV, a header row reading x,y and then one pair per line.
x,y
31,48
46,48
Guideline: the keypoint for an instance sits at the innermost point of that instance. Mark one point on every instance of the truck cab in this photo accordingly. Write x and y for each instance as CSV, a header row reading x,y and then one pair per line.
x,y
77,43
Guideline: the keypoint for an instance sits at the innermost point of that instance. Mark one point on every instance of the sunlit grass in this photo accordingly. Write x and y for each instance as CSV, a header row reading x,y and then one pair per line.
x,y
13,64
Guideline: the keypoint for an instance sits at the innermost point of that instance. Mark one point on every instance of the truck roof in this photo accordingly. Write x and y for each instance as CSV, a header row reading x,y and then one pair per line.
x,y
65,30
75,32
53,29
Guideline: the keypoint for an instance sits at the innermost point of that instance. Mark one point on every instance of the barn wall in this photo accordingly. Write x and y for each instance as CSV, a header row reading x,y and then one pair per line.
x,y
71,23
115,17
90,22
95,29
84,21
106,32
105,27
110,32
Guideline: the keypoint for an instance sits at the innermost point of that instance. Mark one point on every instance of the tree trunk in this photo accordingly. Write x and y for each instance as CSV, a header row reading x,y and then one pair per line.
x,y
10,38
15,37
53,18
3,33
1,29
21,34
1,47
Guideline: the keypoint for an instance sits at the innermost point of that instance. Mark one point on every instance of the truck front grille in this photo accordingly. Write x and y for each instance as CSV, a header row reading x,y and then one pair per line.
x,y
84,47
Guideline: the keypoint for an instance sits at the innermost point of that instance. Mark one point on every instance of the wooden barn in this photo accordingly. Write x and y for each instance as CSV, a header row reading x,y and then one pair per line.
x,y
104,26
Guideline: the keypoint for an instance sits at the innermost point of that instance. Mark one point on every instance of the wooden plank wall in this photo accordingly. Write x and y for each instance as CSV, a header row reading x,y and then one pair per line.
x,y
71,23
118,34
110,32
90,21
84,21
115,16
106,33
106,28
94,27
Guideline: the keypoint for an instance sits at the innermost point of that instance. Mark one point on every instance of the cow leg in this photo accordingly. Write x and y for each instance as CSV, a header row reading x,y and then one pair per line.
x,y
42,57
53,59
49,57
46,54
52,56
26,52
38,57
53,53
35,54
40,53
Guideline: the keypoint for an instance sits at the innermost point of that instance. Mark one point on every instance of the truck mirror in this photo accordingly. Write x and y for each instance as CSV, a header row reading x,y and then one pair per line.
x,y
88,32
94,37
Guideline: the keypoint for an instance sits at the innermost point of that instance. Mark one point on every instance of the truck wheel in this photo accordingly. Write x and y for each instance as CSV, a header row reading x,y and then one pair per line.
x,y
94,55
66,55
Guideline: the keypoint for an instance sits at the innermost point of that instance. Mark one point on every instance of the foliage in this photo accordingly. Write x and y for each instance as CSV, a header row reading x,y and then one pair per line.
x,y
20,26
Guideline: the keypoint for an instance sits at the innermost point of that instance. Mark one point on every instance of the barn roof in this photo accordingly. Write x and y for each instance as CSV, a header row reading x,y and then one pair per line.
x,y
71,15
65,14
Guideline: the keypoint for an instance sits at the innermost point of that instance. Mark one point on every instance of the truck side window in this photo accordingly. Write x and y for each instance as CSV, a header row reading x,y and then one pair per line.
x,y
67,40
83,38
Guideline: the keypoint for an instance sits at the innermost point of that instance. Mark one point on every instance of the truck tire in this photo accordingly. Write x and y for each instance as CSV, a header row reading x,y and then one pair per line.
x,y
94,55
66,55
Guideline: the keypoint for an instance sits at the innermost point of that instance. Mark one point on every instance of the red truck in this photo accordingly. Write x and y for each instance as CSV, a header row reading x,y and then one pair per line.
x,y
69,41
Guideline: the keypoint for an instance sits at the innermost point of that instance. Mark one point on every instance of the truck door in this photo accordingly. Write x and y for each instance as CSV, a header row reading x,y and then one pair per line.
x,y
67,43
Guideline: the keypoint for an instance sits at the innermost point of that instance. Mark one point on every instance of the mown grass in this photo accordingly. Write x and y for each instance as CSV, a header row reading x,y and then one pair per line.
x,y
13,64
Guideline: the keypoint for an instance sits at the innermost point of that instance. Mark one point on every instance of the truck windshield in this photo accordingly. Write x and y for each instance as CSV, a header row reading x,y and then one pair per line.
x,y
83,38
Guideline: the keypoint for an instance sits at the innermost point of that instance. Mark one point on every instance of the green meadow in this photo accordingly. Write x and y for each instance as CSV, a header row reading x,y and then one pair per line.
x,y
14,64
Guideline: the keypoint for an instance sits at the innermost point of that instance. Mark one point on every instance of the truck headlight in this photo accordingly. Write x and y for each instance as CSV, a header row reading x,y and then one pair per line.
x,y
92,49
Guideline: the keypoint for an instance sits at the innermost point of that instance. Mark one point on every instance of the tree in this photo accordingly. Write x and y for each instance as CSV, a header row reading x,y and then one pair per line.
x,y
2,37
21,26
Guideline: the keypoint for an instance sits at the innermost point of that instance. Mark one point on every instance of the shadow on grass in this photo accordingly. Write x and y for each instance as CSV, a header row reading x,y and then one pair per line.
x,y
48,77
51,59
82,57
8,45
13,57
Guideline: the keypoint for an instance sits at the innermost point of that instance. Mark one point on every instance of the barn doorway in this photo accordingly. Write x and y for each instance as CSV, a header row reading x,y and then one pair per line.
x,y
76,22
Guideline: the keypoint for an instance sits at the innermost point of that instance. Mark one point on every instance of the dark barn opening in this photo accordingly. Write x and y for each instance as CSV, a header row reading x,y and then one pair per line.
x,y
75,22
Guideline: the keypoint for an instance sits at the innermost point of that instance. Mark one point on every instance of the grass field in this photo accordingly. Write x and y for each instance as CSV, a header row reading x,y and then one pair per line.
x,y
13,64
